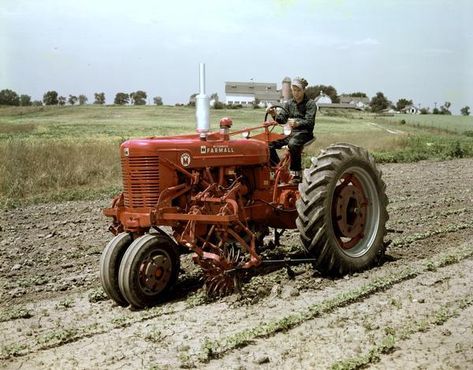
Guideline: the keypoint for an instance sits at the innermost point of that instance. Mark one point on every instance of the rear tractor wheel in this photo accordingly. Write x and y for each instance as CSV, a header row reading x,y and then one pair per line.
x,y
342,210
149,270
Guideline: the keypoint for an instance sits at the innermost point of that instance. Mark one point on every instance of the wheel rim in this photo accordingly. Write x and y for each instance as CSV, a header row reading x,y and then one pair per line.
x,y
155,272
355,211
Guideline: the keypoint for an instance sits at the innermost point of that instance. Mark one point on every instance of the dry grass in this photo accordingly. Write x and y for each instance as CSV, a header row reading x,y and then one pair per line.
x,y
51,153
31,167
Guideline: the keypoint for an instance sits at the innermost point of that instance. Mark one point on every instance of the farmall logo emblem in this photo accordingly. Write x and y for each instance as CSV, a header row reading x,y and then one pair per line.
x,y
185,159
126,152
216,149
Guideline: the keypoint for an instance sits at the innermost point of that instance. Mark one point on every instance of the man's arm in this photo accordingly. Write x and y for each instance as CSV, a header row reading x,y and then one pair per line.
x,y
283,116
307,123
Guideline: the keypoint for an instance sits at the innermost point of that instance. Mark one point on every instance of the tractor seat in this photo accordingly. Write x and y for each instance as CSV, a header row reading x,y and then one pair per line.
x,y
305,145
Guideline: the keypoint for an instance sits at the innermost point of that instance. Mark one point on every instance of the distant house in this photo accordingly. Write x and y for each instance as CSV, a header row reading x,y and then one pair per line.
x,y
357,102
323,99
410,109
246,93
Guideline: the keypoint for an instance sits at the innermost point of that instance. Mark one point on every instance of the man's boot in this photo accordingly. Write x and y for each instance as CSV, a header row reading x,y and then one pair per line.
x,y
296,177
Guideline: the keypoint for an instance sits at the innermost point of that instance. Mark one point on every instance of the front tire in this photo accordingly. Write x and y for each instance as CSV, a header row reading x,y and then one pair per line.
x,y
342,210
149,270
109,265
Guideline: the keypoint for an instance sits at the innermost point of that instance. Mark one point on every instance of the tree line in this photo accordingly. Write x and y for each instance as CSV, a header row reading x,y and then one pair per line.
x,y
377,103
10,97
380,102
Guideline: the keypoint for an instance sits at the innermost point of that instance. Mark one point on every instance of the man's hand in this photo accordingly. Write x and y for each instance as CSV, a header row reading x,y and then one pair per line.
x,y
271,110
292,122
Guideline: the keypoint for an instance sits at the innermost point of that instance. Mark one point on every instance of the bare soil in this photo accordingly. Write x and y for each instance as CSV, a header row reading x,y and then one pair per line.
x,y
413,311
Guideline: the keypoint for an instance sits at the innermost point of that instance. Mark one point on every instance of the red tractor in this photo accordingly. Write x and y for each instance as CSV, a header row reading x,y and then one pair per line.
x,y
220,195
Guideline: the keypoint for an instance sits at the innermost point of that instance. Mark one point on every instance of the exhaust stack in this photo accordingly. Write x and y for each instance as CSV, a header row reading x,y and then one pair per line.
x,y
202,103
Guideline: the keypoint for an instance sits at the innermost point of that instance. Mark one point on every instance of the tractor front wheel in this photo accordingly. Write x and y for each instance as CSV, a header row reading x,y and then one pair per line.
x,y
109,265
149,270
342,210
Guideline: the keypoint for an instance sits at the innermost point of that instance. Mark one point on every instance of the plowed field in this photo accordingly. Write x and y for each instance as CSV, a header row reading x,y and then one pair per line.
x,y
413,311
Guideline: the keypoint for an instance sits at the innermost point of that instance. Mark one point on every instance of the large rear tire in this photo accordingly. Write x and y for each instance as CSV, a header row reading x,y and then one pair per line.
x,y
342,210
109,265
149,270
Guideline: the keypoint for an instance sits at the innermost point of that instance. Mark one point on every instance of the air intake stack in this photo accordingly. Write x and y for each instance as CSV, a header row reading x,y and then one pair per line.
x,y
202,103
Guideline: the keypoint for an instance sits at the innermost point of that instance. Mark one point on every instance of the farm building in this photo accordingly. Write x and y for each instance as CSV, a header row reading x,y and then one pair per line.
x,y
323,99
246,93
358,102
410,109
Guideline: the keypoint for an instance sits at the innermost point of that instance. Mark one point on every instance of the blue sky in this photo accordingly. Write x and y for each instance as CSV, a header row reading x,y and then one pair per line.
x,y
417,49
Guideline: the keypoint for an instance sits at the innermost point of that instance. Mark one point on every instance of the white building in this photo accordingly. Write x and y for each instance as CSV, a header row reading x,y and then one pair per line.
x,y
246,93
410,109
323,99
358,102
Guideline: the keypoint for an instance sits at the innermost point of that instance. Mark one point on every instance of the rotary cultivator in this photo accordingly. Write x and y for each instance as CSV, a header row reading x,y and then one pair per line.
x,y
220,196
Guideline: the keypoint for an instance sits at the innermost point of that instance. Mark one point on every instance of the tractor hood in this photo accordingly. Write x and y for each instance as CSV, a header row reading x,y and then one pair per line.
x,y
189,151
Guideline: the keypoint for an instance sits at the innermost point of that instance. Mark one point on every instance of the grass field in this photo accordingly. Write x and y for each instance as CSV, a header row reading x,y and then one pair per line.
x,y
456,124
58,153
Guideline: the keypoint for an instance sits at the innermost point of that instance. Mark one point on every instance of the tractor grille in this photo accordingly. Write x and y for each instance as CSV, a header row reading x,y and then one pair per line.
x,y
140,181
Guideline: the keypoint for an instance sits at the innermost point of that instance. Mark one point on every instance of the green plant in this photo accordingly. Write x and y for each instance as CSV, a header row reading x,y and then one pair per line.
x,y
15,313
97,295
12,350
65,303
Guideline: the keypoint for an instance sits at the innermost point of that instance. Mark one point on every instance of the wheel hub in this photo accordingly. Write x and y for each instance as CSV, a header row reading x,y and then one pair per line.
x,y
350,212
154,274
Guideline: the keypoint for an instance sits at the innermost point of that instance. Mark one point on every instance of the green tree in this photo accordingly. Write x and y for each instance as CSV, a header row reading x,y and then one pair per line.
x,y
9,97
465,111
61,100
313,91
72,99
379,102
402,103
37,103
82,99
435,111
121,98
445,108
158,100
99,98
425,110
358,94
50,98
25,100
192,99
138,97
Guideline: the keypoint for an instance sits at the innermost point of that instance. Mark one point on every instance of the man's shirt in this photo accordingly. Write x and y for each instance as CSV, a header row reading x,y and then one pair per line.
x,y
303,113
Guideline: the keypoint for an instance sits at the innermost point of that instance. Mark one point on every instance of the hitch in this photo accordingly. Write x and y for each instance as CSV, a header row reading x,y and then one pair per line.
x,y
288,262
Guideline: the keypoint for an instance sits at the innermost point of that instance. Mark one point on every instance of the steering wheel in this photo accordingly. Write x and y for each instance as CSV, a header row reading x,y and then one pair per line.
x,y
275,106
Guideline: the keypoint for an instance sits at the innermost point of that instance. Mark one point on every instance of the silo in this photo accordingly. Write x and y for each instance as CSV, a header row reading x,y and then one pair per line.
x,y
286,89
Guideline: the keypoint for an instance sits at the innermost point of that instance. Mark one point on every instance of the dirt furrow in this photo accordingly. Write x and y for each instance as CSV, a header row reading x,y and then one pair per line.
x,y
349,333
187,343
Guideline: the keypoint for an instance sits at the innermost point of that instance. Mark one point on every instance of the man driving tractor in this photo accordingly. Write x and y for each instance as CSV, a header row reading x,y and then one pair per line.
x,y
299,113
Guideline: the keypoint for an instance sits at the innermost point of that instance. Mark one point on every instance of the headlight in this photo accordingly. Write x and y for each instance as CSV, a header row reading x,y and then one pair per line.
x,y
245,134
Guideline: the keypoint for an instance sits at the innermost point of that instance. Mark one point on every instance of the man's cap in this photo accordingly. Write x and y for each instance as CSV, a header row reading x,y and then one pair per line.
x,y
299,82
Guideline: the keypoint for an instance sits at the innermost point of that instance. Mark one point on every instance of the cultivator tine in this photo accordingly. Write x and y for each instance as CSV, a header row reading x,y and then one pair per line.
x,y
238,256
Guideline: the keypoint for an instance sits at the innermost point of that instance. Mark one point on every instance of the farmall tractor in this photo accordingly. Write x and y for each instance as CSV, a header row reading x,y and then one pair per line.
x,y
220,196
